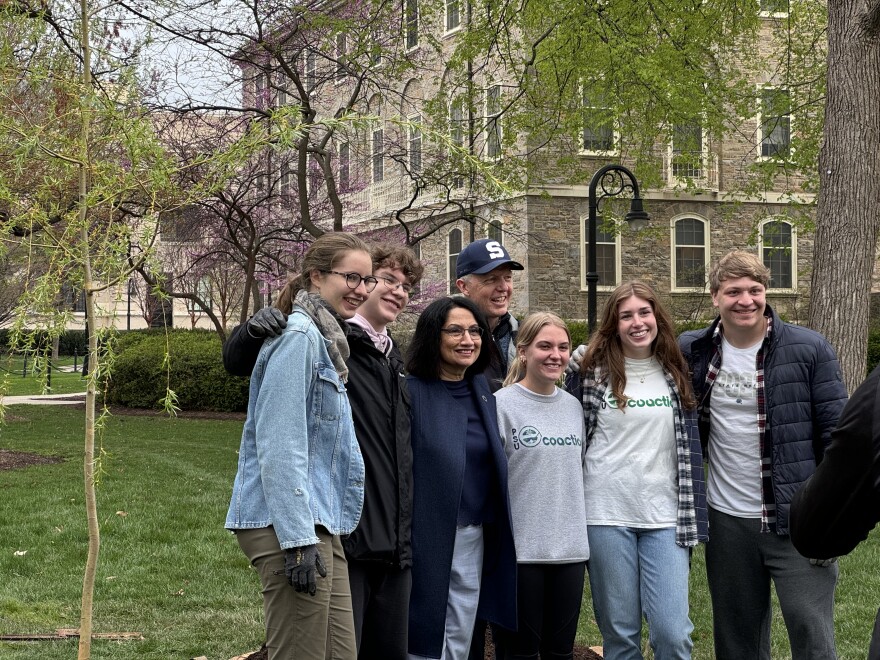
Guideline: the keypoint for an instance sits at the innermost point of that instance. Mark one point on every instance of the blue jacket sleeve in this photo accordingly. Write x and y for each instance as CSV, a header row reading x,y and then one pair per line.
x,y
281,421
828,394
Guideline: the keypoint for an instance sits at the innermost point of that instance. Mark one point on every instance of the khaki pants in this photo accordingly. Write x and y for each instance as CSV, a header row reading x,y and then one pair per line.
x,y
300,626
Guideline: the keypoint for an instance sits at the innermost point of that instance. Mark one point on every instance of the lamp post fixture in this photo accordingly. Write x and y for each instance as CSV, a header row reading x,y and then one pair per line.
x,y
610,179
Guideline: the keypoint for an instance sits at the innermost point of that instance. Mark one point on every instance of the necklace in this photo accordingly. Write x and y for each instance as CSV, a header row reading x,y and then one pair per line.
x,y
644,374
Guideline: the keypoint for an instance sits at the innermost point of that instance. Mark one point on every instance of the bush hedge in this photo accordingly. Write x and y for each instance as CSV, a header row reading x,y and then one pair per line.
x,y
70,341
139,377
200,381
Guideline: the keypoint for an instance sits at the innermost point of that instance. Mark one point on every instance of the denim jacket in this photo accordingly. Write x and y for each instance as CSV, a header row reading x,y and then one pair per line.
x,y
299,465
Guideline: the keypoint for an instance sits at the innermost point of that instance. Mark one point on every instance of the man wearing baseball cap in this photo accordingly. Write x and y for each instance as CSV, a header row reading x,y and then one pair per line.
x,y
484,273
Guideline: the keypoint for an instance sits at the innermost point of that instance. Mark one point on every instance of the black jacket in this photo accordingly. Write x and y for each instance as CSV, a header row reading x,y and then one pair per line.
x,y
840,504
380,408
804,397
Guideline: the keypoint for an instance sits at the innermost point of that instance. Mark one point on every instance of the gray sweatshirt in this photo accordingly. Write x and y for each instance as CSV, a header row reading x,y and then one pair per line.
x,y
544,441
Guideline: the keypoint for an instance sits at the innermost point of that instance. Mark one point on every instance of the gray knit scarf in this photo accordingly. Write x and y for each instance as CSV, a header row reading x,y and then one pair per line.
x,y
330,326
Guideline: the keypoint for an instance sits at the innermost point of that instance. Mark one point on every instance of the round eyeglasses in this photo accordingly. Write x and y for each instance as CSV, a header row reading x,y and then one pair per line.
x,y
353,280
393,285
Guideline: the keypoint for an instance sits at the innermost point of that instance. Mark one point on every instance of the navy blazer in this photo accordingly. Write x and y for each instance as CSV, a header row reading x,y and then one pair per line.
x,y
439,432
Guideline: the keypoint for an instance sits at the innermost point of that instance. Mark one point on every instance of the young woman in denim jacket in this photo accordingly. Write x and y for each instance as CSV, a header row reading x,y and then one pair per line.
x,y
645,492
300,480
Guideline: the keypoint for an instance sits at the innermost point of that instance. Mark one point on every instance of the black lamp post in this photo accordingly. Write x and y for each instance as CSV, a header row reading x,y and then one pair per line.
x,y
610,179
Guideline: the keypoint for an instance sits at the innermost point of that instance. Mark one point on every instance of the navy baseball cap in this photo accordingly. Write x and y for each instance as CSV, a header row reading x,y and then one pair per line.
x,y
482,256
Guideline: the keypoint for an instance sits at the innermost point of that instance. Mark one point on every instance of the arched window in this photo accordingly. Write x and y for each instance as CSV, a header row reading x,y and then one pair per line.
x,y
778,252
453,247
690,252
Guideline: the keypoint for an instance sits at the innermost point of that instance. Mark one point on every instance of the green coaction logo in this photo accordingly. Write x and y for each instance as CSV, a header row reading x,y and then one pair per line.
x,y
529,436
657,402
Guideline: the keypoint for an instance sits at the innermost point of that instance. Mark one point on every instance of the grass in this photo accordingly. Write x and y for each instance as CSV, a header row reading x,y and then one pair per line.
x,y
168,569
13,383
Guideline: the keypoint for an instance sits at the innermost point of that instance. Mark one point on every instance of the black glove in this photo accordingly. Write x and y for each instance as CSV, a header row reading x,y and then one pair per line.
x,y
268,322
300,565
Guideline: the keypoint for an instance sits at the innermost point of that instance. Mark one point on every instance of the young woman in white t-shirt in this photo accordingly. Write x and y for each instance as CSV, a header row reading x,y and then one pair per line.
x,y
645,496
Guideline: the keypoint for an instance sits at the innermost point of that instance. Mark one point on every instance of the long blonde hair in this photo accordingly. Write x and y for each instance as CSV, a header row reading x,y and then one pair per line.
x,y
323,254
529,329
605,352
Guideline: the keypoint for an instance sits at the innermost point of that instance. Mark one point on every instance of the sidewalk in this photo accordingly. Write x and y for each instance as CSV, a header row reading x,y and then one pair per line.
x,y
73,399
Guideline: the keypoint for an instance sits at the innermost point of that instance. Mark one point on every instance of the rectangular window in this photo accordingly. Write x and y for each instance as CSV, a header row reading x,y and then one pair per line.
x,y
415,145
598,131
453,18
344,167
690,254
493,121
285,180
776,246
456,124
775,122
260,90
606,257
494,231
453,249
687,150
204,290
375,48
412,23
378,151
341,53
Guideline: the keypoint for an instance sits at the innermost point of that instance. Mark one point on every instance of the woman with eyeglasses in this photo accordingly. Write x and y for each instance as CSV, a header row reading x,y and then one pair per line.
x,y
543,431
464,562
300,480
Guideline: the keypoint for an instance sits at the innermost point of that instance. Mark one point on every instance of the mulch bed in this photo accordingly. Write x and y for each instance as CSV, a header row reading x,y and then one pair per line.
x,y
16,460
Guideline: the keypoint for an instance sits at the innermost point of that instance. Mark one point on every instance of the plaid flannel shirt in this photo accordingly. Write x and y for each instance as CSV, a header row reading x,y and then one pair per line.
x,y
594,388
768,502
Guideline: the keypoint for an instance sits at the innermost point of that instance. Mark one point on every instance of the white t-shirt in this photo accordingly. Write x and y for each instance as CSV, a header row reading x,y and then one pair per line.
x,y
734,485
631,463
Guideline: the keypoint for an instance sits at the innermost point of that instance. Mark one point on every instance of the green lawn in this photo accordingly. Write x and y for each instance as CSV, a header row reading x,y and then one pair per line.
x,y
169,570
13,383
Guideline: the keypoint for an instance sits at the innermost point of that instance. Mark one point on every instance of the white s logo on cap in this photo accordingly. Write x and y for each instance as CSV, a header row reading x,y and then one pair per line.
x,y
495,250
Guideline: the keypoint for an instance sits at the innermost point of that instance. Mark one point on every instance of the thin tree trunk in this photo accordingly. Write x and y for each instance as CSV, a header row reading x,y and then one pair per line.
x,y
88,590
848,213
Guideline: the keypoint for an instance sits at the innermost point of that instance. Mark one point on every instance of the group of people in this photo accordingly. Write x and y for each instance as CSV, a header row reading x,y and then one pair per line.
x,y
395,516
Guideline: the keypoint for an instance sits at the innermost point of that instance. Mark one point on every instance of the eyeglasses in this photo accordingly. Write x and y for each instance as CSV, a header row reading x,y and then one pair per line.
x,y
394,285
353,280
457,332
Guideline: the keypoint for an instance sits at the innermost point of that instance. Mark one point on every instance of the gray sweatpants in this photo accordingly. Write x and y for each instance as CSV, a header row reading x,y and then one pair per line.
x,y
740,562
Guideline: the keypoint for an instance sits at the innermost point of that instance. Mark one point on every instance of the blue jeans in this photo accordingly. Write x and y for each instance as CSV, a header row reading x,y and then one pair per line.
x,y
635,572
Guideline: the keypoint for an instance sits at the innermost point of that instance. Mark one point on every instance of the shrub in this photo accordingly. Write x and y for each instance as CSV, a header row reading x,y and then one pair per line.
x,y
873,349
139,377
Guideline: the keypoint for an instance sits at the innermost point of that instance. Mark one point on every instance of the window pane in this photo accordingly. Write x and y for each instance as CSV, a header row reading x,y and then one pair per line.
x,y
687,150
378,164
606,264
690,267
341,48
415,145
412,23
775,122
690,231
774,6
454,248
777,243
344,167
598,131
452,18
494,231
